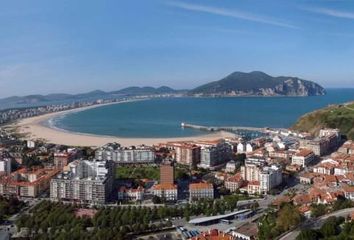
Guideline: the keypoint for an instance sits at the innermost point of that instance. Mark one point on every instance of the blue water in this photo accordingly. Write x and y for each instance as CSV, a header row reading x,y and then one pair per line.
x,y
162,117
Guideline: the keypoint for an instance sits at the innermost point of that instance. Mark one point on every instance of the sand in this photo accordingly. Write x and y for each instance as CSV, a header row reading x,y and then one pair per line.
x,y
34,128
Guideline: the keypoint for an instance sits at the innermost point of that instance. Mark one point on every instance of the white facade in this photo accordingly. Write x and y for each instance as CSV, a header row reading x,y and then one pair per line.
x,y
5,166
116,153
270,177
83,181
169,193
241,148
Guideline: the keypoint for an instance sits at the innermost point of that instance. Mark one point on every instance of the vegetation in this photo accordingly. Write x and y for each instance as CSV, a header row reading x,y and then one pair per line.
x,y
253,82
9,206
333,228
150,172
336,116
318,210
57,220
273,224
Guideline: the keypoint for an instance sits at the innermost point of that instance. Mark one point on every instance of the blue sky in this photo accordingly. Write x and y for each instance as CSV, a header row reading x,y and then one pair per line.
x,y
77,46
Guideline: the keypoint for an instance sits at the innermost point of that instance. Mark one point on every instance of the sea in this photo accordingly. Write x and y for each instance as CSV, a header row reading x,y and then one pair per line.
x,y
162,117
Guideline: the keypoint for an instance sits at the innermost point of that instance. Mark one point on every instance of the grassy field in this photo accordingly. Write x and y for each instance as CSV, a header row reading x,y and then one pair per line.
x,y
336,116
150,172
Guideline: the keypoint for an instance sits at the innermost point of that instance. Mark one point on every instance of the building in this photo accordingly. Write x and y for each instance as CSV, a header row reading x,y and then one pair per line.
x,y
303,158
270,177
167,173
167,192
241,147
248,231
250,172
31,144
27,183
201,191
234,183
230,167
63,158
214,153
327,141
130,194
83,181
5,166
254,187
213,234
185,153
134,154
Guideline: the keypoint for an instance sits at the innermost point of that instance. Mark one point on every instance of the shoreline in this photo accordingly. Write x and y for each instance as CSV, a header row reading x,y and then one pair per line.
x,y
36,128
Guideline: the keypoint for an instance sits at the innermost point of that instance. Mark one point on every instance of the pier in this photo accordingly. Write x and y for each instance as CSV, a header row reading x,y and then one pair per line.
x,y
228,128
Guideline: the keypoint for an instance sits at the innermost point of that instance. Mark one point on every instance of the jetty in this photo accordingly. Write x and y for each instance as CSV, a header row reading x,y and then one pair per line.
x,y
227,128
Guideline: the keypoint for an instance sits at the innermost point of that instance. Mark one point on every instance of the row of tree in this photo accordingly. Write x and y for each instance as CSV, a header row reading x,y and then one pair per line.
x,y
333,228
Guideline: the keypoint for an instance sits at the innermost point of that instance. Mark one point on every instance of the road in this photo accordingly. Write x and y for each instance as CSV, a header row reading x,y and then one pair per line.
x,y
316,223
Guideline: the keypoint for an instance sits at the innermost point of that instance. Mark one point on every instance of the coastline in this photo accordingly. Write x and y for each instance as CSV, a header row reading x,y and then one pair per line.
x,y
35,128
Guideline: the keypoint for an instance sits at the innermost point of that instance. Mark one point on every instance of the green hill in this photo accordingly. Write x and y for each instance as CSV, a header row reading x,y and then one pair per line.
x,y
334,116
258,84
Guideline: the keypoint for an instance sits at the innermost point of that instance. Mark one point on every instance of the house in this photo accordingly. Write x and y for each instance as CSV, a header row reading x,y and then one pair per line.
x,y
248,231
201,191
234,183
166,191
348,191
304,157
241,147
127,194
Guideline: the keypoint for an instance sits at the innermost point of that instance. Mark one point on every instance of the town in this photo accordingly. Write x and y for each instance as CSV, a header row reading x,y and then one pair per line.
x,y
231,188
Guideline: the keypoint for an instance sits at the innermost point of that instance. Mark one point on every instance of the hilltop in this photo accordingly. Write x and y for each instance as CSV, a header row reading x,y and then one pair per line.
x,y
334,116
258,84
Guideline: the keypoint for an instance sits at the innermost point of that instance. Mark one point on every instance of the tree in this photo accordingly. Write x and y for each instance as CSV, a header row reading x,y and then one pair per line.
x,y
318,210
308,234
288,217
330,227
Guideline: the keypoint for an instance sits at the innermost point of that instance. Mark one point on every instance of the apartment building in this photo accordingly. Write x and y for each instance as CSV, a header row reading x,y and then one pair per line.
x,y
27,183
214,153
83,181
5,166
168,192
134,154
167,173
270,177
201,191
186,153
303,157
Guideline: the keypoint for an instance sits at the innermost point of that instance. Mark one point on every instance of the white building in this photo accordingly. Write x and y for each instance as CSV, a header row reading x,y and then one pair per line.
x,y
270,177
250,147
166,191
119,154
303,158
83,181
201,191
241,147
131,194
230,167
5,166
31,144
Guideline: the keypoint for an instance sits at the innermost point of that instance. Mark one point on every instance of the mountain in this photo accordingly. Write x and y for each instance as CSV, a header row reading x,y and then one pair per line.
x,y
145,90
334,116
258,84
62,97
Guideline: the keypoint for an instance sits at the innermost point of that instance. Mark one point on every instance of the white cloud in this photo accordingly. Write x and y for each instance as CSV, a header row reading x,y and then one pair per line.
x,y
231,13
332,12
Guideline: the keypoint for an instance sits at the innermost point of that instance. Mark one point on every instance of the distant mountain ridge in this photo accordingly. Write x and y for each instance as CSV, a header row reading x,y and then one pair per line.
x,y
236,84
130,91
258,84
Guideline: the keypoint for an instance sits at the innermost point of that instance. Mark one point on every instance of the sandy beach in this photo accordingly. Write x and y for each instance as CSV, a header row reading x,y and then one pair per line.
x,y
35,129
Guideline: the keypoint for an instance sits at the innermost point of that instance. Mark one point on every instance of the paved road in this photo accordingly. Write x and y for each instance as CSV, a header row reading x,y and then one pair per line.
x,y
316,223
